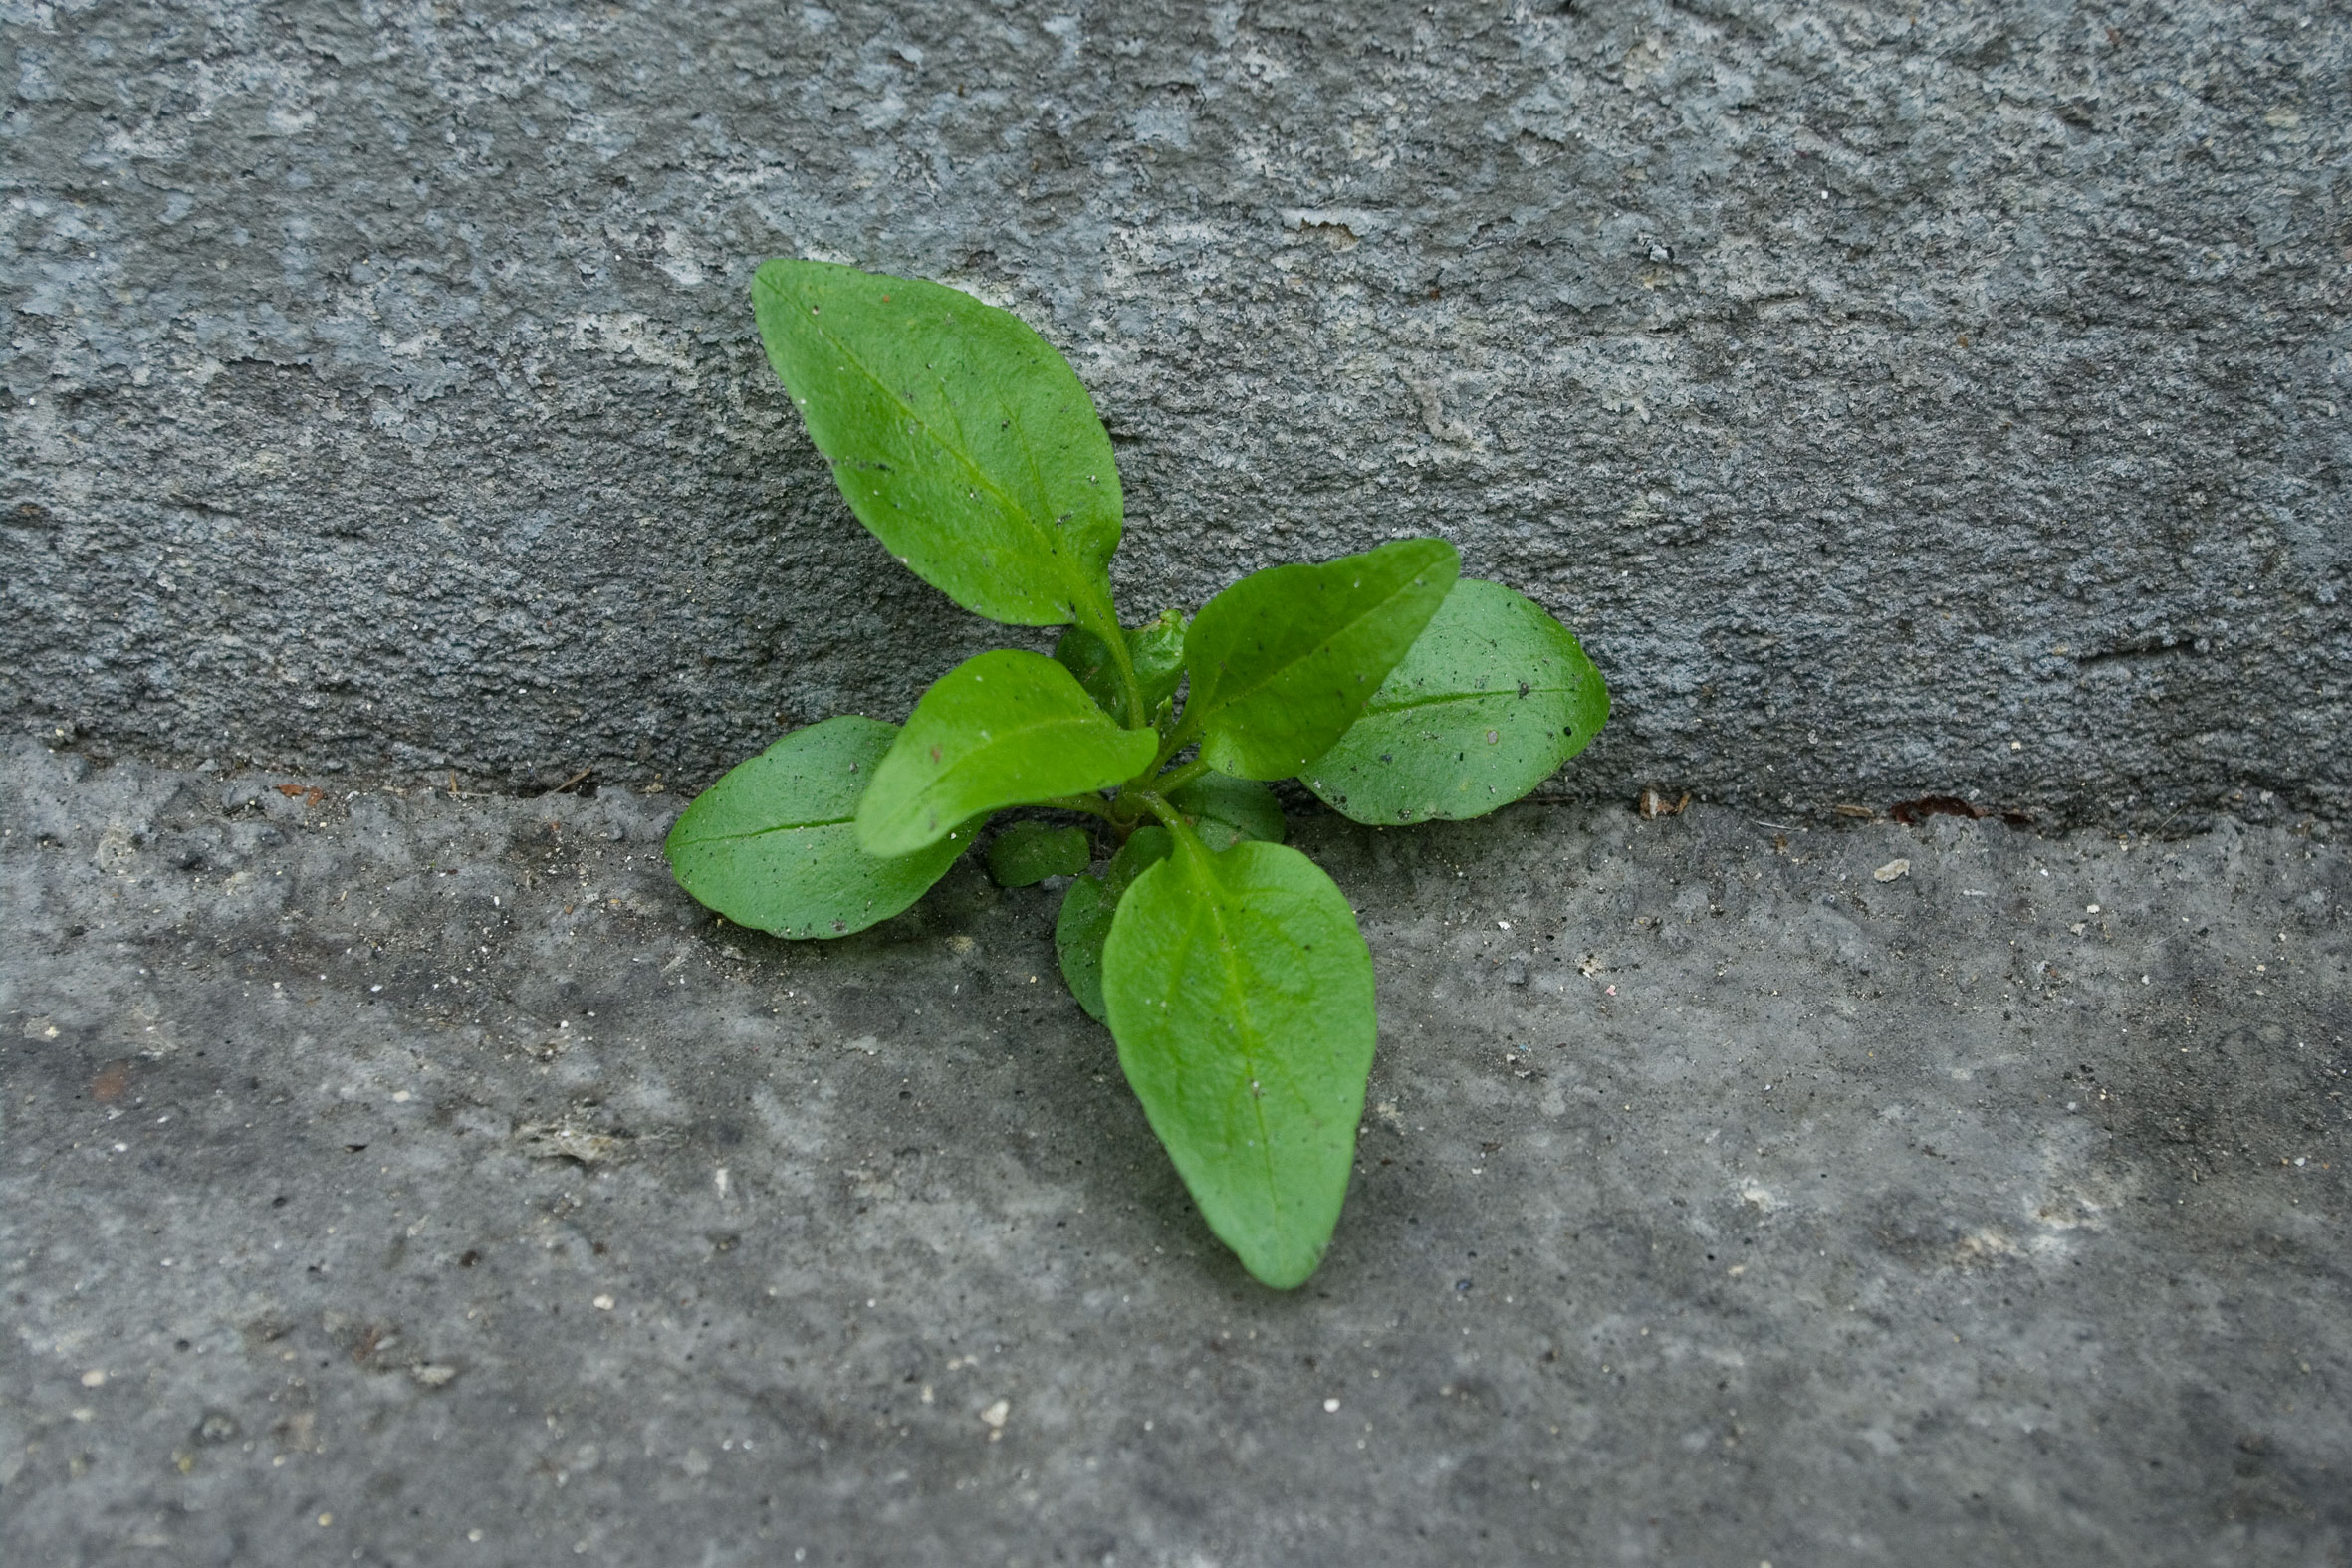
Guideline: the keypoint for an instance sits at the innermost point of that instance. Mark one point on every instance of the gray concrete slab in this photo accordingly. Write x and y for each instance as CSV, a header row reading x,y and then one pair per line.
x,y
407,1180
1898,397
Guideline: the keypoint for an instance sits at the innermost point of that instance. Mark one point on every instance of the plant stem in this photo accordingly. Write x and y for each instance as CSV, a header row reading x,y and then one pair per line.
x,y
1178,739
1092,805
1176,779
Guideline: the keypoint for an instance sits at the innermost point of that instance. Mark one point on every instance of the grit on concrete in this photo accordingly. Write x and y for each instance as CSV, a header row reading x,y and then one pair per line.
x,y
1871,384
408,1179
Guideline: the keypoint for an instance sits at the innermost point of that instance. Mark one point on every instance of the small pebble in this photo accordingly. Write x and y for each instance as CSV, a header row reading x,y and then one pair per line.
x,y
1891,870
603,1304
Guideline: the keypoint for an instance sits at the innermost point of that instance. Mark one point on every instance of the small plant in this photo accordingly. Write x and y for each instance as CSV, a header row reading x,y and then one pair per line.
x,y
1228,967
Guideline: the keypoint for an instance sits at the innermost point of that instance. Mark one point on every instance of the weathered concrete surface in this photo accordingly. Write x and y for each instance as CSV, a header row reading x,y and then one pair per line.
x,y
1898,397
1731,1206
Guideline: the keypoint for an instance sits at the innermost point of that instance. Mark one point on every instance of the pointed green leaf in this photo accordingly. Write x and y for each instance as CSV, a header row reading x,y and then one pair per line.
x,y
1283,661
1079,931
1004,728
1489,702
1029,852
1227,810
1157,650
1086,911
773,844
956,433
1240,993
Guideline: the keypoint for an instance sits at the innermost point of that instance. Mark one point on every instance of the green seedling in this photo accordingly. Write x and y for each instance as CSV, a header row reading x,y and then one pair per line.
x,y
1228,967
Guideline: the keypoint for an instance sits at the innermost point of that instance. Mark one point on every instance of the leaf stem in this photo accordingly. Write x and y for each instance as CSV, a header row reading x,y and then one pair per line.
x,y
1092,805
1179,826
1177,777
1178,739
1114,638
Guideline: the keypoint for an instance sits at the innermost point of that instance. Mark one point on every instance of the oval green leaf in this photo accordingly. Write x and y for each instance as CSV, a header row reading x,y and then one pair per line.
x,y
957,434
1492,699
1027,853
773,845
1006,727
1283,661
1086,911
1240,993
1227,810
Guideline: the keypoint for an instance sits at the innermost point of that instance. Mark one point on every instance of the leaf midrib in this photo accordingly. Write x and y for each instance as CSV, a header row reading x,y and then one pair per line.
x,y
761,832
1044,532
1375,705
1211,910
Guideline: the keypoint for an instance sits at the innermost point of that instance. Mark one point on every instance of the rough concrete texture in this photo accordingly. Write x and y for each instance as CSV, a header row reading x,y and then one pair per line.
x,y
415,1181
1898,397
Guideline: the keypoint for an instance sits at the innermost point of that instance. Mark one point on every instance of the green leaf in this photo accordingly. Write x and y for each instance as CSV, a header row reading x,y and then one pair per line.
x,y
1240,993
1283,661
773,844
1086,911
1004,728
1227,810
1489,702
957,434
1079,931
1157,651
1029,852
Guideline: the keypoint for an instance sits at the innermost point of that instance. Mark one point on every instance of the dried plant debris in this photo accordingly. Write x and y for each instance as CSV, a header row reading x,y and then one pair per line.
x,y
1653,803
